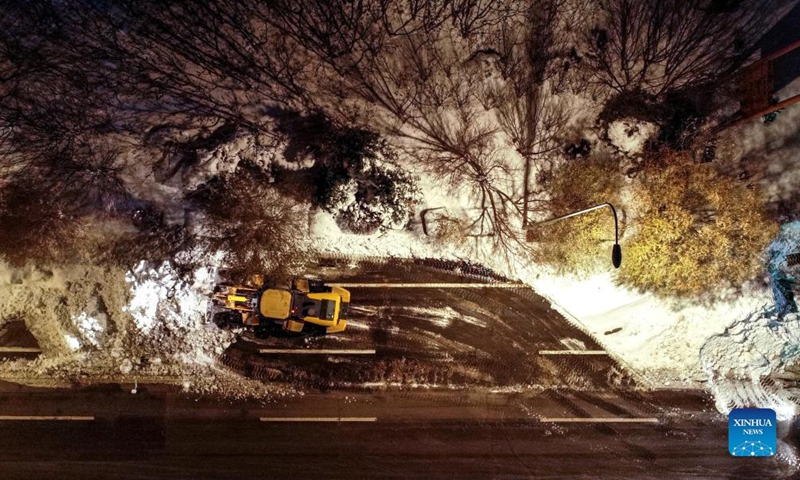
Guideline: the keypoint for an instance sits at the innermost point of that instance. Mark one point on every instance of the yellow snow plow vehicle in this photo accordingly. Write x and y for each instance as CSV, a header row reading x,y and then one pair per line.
x,y
308,306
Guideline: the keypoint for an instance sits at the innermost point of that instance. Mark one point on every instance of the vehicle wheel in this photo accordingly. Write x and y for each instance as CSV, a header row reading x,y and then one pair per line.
x,y
314,330
316,286
225,319
261,332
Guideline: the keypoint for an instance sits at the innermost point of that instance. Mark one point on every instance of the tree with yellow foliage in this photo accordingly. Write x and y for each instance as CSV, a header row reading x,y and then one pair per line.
x,y
582,244
696,230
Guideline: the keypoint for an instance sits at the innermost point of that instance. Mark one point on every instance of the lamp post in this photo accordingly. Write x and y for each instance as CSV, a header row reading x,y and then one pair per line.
x,y
616,250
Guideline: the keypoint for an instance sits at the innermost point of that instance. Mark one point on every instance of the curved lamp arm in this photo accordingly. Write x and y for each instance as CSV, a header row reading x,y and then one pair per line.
x,y
616,250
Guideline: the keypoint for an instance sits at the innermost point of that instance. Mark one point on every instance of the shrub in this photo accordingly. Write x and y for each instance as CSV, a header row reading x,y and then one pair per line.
x,y
583,243
356,176
697,230
449,229
360,183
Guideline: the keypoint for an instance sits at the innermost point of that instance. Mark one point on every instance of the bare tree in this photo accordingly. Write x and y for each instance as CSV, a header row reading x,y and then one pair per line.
x,y
534,59
35,225
54,168
214,58
259,230
51,107
149,62
412,67
457,140
657,46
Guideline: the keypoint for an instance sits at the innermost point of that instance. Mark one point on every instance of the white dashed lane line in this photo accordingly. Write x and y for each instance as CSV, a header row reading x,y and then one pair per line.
x,y
572,352
429,285
19,350
45,418
319,419
307,351
597,420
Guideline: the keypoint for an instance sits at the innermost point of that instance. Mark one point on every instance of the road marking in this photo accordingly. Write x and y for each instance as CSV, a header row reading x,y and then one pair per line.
x,y
315,351
428,285
363,309
572,352
19,350
598,420
45,418
356,324
318,419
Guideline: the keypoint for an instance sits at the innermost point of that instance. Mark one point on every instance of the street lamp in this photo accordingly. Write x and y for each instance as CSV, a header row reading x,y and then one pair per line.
x,y
616,250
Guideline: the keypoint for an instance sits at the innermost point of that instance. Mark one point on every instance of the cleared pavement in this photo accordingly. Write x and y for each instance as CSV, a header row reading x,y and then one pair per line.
x,y
162,433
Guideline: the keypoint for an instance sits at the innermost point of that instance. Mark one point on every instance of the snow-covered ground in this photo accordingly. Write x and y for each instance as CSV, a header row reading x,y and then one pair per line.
x,y
105,323
740,361
629,135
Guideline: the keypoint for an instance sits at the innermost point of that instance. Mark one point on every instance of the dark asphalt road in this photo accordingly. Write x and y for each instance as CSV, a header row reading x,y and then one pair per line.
x,y
454,337
161,433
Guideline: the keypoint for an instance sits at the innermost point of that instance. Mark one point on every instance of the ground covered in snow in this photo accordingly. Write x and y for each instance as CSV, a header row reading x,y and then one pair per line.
x,y
741,361
95,323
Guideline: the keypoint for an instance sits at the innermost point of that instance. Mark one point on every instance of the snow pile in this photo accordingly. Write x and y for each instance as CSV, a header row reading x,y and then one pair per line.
x,y
89,327
72,342
629,135
170,313
226,158
783,274
150,322
787,243
740,362
159,297
75,300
